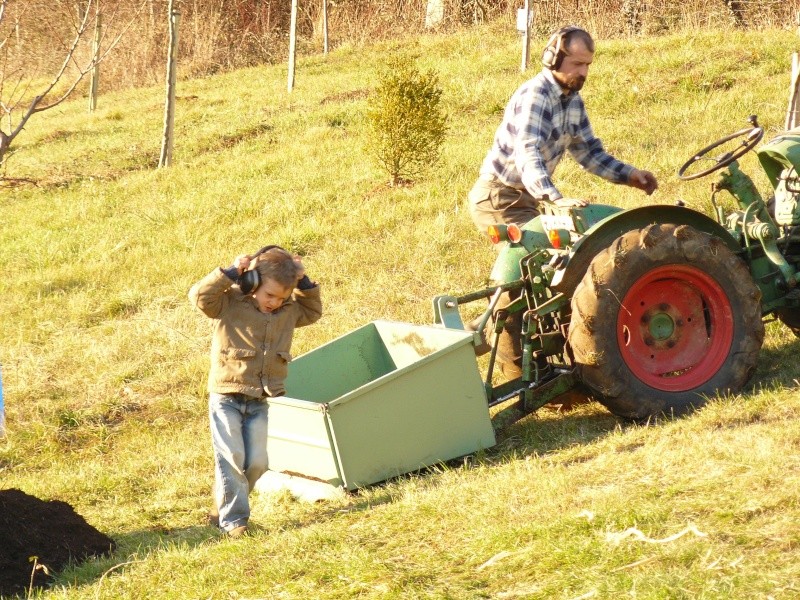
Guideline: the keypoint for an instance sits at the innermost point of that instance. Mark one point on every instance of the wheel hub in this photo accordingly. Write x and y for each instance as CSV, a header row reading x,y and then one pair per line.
x,y
674,327
660,326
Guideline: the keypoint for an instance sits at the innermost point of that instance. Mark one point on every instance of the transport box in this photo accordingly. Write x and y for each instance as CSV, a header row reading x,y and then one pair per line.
x,y
386,399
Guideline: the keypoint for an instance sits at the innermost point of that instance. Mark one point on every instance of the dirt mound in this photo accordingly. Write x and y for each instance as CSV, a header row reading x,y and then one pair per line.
x,y
51,531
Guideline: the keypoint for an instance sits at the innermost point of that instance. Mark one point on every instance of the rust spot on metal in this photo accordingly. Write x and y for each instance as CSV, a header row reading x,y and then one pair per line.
x,y
414,340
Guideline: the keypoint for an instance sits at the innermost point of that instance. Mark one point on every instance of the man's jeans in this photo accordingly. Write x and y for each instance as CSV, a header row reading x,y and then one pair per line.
x,y
239,440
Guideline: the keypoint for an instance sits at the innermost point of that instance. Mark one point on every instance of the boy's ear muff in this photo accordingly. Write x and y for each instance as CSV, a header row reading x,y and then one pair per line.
x,y
249,281
554,50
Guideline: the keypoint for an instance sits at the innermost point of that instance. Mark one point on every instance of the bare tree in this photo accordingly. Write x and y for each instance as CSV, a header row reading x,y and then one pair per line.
x,y
36,76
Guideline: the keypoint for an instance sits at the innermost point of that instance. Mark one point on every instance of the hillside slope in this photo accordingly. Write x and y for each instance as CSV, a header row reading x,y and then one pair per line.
x,y
104,362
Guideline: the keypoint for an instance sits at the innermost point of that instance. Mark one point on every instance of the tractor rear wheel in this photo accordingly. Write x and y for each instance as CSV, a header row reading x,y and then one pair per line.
x,y
663,318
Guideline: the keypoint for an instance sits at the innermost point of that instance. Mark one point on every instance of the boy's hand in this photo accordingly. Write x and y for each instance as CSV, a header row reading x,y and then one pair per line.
x,y
242,262
301,270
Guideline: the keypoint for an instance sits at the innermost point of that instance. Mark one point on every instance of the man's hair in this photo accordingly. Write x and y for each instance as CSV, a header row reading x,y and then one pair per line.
x,y
578,34
278,264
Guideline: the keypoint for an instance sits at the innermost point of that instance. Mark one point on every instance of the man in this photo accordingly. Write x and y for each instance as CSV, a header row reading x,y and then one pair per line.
x,y
544,118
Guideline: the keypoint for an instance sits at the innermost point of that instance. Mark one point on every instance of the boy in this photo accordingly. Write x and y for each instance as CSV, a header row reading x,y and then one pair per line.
x,y
255,315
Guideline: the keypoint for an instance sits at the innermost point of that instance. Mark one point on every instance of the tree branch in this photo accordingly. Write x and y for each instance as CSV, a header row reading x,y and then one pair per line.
x,y
37,103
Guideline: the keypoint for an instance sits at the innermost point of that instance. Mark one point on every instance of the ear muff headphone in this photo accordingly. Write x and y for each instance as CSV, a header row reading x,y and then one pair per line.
x,y
554,50
250,280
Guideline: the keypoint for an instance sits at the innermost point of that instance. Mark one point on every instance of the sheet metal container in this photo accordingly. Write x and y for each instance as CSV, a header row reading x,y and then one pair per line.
x,y
386,399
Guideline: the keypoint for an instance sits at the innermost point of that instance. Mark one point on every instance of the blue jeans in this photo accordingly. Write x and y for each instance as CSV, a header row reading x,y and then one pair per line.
x,y
239,441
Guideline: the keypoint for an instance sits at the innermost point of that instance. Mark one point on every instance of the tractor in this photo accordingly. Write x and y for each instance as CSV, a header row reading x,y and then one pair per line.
x,y
652,309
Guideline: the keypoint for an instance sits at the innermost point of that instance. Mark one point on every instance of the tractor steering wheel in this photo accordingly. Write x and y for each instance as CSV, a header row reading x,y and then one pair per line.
x,y
751,136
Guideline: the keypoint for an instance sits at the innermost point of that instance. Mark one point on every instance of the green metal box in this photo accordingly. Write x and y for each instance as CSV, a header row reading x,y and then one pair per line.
x,y
383,400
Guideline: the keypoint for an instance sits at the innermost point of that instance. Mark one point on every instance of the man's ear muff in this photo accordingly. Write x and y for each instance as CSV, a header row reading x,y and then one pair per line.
x,y
554,50
249,281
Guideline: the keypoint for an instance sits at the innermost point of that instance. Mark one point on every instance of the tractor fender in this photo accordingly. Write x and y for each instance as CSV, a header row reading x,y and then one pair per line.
x,y
600,236
781,153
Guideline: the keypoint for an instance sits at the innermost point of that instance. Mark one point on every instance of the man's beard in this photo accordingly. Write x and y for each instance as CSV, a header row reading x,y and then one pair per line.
x,y
574,84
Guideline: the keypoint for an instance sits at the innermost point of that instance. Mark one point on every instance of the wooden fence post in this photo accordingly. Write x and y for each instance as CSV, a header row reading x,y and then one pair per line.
x,y
95,78
324,26
292,44
434,13
794,94
167,141
524,27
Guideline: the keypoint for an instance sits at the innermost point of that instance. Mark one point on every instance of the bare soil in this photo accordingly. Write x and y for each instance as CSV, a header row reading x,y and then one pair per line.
x,y
51,531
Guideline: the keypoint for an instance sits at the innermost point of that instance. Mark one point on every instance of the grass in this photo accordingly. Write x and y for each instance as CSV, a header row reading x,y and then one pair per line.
x,y
104,363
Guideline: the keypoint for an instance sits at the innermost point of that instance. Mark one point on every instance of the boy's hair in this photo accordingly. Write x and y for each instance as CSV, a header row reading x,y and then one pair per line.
x,y
278,264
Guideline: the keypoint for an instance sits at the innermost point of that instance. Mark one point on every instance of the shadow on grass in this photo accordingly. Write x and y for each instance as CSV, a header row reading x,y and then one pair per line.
x,y
550,429
132,548
777,366
547,430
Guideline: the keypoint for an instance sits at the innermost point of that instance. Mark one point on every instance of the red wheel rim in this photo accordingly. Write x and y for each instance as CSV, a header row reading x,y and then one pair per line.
x,y
675,328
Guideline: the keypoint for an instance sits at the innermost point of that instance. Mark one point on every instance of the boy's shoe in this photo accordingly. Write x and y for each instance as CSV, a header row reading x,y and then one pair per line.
x,y
238,532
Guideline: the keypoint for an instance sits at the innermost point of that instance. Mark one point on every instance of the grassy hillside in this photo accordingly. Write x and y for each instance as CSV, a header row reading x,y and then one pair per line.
x,y
104,362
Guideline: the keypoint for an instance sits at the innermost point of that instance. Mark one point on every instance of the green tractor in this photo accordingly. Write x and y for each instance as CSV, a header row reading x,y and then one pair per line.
x,y
652,309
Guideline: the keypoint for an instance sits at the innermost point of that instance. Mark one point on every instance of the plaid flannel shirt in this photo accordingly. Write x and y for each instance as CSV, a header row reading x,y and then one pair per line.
x,y
539,124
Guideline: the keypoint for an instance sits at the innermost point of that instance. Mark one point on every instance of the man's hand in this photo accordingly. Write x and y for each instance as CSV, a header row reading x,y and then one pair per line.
x,y
569,202
643,180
